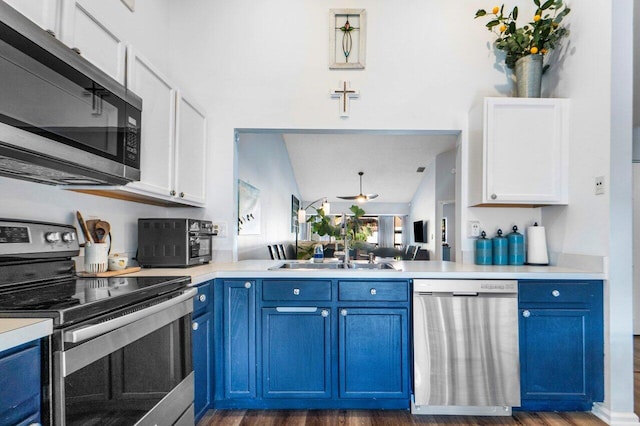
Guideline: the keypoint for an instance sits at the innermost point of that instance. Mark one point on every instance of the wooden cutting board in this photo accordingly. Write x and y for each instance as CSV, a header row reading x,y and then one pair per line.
x,y
107,274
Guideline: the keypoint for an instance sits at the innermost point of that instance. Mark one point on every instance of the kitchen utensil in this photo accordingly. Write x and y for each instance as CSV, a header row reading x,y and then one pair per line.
x,y
483,250
83,226
91,226
537,245
500,249
516,247
96,257
102,230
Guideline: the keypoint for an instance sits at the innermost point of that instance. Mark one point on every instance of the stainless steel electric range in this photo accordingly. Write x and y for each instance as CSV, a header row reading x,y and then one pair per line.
x,y
120,353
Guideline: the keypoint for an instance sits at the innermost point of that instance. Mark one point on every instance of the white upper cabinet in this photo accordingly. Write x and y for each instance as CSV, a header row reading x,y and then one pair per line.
x,y
518,150
45,13
93,39
172,156
157,138
191,126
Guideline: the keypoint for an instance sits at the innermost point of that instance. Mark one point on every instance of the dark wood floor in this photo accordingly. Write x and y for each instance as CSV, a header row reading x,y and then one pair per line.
x,y
397,418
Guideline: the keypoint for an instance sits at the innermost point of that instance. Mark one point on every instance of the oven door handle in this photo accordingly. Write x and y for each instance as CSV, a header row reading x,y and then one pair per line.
x,y
90,331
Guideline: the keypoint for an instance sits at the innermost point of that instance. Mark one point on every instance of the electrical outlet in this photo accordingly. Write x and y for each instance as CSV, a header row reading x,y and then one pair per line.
x,y
599,185
473,228
220,229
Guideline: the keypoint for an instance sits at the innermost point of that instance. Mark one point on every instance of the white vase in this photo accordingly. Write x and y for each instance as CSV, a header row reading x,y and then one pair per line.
x,y
529,76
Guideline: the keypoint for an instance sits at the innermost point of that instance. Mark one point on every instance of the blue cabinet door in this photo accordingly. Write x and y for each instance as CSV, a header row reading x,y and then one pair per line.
x,y
561,345
296,352
202,336
374,353
239,328
20,385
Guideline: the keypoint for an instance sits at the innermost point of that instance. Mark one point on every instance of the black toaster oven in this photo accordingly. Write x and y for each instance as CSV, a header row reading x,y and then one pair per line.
x,y
174,242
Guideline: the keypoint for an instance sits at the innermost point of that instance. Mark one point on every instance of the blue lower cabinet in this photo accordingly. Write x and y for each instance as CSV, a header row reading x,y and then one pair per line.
x,y
561,345
20,385
239,331
296,352
202,336
374,361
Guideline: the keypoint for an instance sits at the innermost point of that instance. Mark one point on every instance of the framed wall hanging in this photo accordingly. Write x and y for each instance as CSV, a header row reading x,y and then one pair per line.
x,y
347,35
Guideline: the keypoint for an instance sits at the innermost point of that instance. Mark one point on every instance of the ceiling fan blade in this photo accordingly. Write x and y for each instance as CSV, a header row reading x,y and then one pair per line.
x,y
348,197
371,196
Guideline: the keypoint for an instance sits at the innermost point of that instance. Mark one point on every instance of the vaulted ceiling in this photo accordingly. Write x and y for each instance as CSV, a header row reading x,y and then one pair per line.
x,y
327,165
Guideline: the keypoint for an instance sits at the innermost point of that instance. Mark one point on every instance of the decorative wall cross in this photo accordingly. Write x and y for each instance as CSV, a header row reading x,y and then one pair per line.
x,y
344,93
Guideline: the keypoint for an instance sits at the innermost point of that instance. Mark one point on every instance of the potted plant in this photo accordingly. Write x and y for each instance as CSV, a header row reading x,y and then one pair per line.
x,y
526,46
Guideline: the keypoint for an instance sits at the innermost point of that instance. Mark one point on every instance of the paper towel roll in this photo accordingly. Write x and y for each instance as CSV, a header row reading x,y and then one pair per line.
x,y
537,246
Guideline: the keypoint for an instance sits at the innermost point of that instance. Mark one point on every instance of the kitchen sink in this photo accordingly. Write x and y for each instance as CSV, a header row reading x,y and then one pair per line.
x,y
302,266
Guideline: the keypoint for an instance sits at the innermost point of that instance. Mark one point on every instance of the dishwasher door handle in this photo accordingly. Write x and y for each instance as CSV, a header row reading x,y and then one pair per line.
x,y
465,293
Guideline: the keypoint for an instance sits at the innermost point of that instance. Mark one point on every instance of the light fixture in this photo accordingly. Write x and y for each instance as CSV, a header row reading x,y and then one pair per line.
x,y
360,198
302,212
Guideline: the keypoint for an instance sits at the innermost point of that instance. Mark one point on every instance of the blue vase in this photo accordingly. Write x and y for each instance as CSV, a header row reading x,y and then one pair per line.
x,y
516,247
500,249
484,250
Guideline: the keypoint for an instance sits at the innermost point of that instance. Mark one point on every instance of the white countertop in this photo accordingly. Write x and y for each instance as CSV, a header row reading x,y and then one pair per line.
x,y
410,270
17,331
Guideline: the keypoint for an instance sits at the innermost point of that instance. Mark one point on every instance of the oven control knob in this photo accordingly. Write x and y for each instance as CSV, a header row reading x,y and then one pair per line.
x,y
67,237
52,237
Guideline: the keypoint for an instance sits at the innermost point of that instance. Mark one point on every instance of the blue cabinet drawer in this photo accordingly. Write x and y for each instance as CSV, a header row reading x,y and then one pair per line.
x,y
307,290
372,291
202,301
555,292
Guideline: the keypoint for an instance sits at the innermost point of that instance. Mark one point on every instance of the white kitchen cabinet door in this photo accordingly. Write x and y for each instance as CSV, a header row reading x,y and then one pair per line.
x,y
191,129
95,41
45,13
524,152
157,142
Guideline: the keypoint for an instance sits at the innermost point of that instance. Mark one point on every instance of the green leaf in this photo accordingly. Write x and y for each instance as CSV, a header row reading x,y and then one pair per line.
x,y
547,4
492,24
512,27
515,13
545,68
481,12
537,2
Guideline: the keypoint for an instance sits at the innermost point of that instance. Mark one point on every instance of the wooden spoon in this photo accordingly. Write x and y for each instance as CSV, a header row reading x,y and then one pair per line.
x,y
83,226
102,229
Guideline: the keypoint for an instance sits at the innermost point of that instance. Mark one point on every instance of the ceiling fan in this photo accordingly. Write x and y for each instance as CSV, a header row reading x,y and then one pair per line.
x,y
360,198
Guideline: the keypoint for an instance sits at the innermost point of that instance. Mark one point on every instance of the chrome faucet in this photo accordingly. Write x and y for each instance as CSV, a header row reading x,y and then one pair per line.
x,y
343,233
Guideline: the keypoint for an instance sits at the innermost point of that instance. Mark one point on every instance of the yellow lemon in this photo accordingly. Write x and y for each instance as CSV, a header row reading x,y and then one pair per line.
x,y
536,18
496,9
534,50
502,28
543,51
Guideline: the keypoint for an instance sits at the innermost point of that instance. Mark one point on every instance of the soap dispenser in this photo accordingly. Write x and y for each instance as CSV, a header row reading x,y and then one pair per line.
x,y
318,254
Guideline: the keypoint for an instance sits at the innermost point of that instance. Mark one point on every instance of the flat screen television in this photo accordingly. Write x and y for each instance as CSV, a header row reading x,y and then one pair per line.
x,y
419,233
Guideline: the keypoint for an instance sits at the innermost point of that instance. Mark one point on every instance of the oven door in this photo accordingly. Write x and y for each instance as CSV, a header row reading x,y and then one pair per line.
x,y
132,370
200,247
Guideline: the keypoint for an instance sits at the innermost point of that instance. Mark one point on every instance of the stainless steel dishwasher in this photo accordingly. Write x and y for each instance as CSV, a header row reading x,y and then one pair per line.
x,y
466,358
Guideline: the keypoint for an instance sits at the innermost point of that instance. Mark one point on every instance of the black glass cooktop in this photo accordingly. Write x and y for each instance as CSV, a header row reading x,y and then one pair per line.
x,y
71,300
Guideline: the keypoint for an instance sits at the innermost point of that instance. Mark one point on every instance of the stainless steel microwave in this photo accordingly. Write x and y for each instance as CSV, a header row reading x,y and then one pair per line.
x,y
62,120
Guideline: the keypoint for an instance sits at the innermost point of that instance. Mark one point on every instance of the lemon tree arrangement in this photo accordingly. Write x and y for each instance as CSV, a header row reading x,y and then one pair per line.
x,y
540,35
532,40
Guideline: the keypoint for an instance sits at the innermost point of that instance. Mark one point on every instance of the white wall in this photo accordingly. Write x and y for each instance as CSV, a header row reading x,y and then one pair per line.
x,y
263,162
423,207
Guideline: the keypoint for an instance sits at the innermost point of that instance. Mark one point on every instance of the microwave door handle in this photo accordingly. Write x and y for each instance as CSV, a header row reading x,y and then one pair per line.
x,y
90,331
203,234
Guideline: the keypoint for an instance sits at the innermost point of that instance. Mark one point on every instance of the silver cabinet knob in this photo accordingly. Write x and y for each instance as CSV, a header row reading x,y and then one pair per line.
x,y
373,291
194,326
494,196
296,291
324,313
182,195
343,312
526,313
247,285
172,193
51,33
75,49
202,298
555,293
